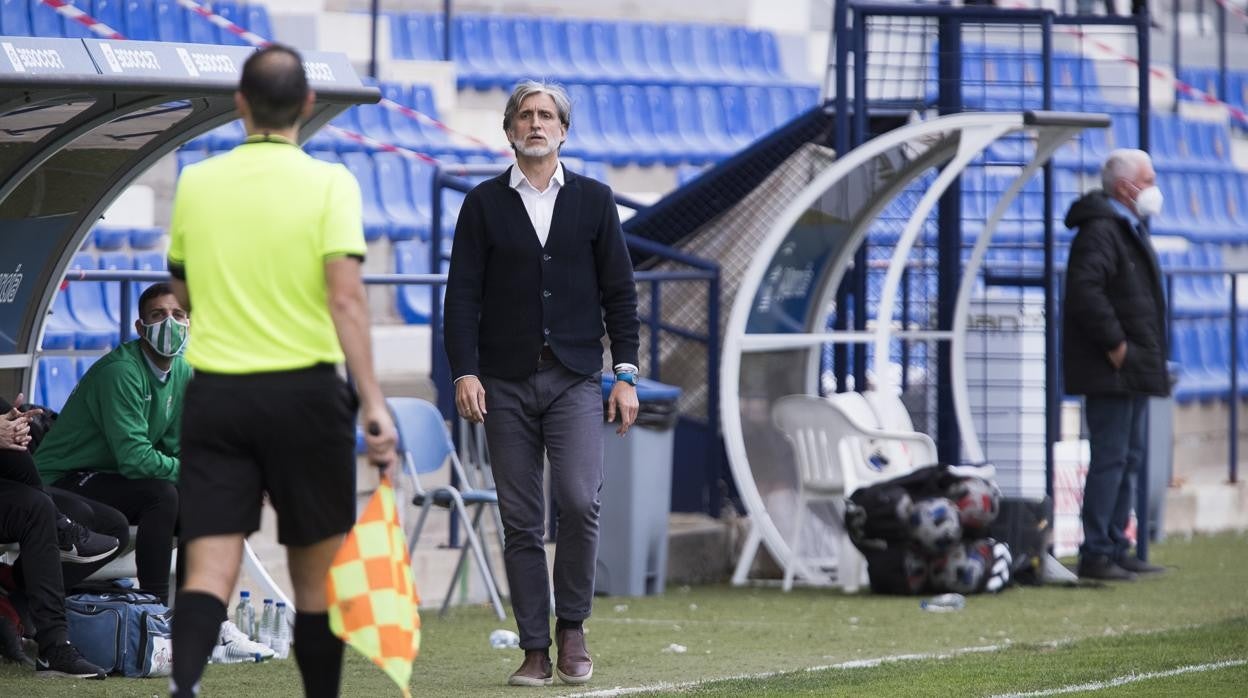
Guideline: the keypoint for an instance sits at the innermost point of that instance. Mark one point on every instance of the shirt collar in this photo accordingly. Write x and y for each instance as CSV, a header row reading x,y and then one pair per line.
x,y
1123,210
518,178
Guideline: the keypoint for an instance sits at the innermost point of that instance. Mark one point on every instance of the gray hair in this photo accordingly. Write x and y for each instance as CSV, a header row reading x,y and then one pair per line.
x,y
527,88
1123,163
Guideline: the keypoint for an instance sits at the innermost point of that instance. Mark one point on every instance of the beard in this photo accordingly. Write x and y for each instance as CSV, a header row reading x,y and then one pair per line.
x,y
534,151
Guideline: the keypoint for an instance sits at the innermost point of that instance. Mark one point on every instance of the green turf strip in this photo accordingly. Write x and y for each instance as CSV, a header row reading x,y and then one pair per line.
x,y
733,632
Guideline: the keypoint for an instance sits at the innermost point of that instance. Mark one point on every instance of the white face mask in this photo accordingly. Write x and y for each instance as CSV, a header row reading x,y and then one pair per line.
x,y
1148,202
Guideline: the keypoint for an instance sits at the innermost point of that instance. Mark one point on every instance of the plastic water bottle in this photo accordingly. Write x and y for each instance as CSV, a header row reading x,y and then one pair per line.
x,y
264,635
945,603
281,631
504,639
245,614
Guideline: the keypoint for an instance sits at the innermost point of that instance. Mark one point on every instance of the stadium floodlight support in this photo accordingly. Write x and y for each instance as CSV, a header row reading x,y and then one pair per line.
x,y
819,234
80,120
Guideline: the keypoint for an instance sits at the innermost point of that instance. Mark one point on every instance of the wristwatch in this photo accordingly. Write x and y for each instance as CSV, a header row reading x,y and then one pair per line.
x,y
627,377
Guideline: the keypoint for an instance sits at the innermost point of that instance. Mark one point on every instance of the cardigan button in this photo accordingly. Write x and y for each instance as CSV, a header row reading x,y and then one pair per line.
x,y
545,258
545,294
546,331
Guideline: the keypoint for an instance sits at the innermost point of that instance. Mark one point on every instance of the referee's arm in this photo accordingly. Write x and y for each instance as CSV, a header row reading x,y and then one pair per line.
x,y
348,306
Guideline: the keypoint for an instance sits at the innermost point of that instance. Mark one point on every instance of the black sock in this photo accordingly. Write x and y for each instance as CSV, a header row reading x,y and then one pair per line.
x,y
318,652
196,627
561,624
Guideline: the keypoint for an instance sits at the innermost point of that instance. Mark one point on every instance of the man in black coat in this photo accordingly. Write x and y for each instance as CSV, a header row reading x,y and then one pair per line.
x,y
539,273
1114,349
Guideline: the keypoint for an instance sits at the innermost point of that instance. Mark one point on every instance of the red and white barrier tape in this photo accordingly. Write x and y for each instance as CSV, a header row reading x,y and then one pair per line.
x,y
223,23
1187,89
421,116
1226,5
70,12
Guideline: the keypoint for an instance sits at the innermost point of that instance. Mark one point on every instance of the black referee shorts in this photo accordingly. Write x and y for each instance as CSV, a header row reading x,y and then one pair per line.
x,y
290,434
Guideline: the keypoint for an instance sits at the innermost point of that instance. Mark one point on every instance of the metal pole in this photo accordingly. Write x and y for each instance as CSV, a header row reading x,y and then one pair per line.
x,y
1052,387
715,463
1222,93
1143,24
446,30
841,140
374,10
1176,45
949,262
861,272
656,318
1233,432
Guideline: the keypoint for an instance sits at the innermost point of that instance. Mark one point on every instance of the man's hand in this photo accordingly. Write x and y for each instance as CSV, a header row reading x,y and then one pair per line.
x,y
624,401
15,427
470,399
1118,355
380,437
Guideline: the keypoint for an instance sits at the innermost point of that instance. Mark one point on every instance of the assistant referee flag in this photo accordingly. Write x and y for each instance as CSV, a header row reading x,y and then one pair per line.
x,y
372,596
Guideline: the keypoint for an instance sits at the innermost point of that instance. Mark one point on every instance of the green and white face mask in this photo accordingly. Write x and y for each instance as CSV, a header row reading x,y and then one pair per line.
x,y
168,337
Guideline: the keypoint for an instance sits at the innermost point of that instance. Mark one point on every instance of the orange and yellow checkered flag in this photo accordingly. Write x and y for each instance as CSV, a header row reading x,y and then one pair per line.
x,y
372,597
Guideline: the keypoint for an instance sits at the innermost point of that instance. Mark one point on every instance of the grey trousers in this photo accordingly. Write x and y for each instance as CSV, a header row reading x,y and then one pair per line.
x,y
559,412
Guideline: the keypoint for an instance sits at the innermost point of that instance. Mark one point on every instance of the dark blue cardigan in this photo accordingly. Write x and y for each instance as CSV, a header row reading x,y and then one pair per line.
x,y
506,294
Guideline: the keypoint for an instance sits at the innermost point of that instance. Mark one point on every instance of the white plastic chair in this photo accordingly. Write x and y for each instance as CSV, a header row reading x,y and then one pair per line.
x,y
839,447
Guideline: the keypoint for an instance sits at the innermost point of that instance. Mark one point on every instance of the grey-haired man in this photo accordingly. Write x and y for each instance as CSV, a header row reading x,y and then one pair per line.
x,y
539,266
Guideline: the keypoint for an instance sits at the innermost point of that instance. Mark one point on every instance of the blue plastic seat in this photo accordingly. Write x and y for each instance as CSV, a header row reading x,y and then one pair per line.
x,y
504,52
727,51
680,48
584,137
80,304
84,364
535,58
170,21
45,21
584,63
1218,205
470,50
762,45
372,121
110,12
621,148
412,257
108,238
400,37
690,126
225,136
421,42
420,187
666,128
638,120
1215,351
15,18
376,223
1175,218
783,106
657,52
711,113
139,20
146,238
1236,199
705,54
405,130
57,377
396,198
634,64
438,141
198,29
604,46
231,10
256,20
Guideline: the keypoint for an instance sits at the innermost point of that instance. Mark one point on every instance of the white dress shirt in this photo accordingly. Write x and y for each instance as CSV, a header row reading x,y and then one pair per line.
x,y
540,205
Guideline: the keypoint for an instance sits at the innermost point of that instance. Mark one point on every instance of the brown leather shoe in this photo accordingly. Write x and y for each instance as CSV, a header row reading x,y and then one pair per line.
x,y
574,665
535,671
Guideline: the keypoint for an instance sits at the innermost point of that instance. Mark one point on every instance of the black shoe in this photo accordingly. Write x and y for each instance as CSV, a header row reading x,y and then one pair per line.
x,y
11,645
79,545
1101,567
66,660
1134,564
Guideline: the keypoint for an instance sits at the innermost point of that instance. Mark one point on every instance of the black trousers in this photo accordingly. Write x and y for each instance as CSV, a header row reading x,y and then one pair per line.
x,y
151,505
28,517
19,467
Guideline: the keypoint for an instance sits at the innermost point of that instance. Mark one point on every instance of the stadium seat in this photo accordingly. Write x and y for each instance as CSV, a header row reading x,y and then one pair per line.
x,y
691,127
504,51
658,54
728,53
83,364
110,12
732,109
45,21
256,19
581,54
412,257
621,148
667,130
526,36
603,43
231,10
396,199
15,18
107,238
80,304
405,130
57,377
225,136
585,139
400,37
376,224
170,21
146,238
639,121
634,63
198,29
761,45
705,54
679,46
470,50
139,20
115,261
372,122
436,139
758,110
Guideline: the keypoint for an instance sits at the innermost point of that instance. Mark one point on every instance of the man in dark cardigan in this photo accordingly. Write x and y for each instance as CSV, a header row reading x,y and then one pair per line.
x,y
538,266
1114,349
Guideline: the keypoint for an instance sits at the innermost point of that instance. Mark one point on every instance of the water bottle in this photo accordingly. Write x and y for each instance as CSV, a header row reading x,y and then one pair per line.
x,y
265,633
504,639
944,603
245,614
281,631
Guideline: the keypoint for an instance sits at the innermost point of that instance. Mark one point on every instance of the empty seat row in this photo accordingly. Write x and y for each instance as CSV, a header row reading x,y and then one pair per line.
x,y
87,314
141,20
1203,206
1209,81
497,50
1197,294
1202,348
108,238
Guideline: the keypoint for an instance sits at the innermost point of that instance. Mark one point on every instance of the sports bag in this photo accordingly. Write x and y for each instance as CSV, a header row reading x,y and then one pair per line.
x,y
126,632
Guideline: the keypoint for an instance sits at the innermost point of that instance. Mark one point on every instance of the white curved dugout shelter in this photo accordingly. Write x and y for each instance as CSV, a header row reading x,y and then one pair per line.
x,y
776,329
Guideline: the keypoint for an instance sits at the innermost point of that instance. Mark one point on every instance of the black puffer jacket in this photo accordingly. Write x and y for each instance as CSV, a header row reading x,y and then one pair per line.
x,y
1113,292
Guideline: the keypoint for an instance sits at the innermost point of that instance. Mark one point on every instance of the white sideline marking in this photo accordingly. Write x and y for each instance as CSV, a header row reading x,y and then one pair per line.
x,y
1129,678
852,664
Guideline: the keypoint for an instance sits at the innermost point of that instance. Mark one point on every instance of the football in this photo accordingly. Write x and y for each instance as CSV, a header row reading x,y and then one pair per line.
x,y
934,524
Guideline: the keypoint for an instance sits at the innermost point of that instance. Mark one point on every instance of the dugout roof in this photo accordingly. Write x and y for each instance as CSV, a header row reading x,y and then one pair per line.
x,y
80,119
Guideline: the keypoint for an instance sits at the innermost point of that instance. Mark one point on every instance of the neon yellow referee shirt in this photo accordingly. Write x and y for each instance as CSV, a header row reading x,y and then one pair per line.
x,y
251,231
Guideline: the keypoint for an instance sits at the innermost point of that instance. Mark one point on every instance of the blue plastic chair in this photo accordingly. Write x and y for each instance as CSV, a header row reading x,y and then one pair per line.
x,y
372,121
471,52
535,59
605,48
15,18
80,305
437,141
666,129
117,261
198,29
639,123
714,124
110,12
1214,348
405,130
705,53
84,364
412,257
256,19
689,124
170,22
107,238
232,11
57,378
728,52
417,36
585,139
658,54
503,49
145,238
396,202
425,447
45,21
634,64
584,63
139,20
738,121
680,49
400,38
621,148
376,224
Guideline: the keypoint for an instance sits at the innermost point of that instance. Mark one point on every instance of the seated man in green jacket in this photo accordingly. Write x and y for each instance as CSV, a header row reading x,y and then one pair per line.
x,y
116,441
